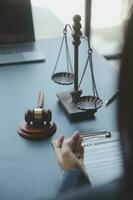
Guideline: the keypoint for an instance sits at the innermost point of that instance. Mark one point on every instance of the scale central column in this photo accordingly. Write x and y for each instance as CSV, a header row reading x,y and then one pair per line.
x,y
76,42
68,98
76,68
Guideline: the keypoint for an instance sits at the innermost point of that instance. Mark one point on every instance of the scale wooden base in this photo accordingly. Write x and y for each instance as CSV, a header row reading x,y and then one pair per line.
x,y
31,132
66,101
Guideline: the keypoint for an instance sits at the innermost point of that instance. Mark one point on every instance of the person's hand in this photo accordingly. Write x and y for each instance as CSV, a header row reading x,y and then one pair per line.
x,y
69,151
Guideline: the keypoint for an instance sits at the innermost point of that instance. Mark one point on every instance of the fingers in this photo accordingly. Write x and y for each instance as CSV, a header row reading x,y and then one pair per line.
x,y
77,141
60,141
66,157
75,136
71,143
57,144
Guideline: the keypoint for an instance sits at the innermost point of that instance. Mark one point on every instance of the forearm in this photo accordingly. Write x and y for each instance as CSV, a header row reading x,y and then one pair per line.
x,y
74,178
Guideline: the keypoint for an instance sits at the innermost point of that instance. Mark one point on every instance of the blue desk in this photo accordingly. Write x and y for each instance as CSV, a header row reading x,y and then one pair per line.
x,y
28,169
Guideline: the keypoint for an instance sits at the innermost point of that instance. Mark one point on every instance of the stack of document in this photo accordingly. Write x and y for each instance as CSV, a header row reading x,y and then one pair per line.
x,y
103,157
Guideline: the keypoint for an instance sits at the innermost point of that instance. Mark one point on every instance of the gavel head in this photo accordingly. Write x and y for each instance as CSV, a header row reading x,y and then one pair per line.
x,y
38,117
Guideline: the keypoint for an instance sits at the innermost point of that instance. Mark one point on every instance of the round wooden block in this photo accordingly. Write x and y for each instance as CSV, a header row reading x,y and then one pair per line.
x,y
28,131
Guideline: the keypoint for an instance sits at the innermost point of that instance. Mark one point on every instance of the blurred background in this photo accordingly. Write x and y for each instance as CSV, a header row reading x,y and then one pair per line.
x,y
108,19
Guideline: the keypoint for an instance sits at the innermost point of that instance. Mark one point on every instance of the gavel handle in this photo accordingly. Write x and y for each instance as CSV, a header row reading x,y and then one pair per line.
x,y
40,100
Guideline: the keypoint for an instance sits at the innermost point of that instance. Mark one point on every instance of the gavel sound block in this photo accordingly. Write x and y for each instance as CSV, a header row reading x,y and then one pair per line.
x,y
38,122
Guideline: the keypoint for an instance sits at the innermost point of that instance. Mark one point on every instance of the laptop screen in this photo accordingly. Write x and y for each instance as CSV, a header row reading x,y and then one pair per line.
x,y
16,24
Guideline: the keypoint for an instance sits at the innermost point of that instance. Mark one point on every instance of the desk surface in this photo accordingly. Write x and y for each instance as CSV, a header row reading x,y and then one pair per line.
x,y
28,169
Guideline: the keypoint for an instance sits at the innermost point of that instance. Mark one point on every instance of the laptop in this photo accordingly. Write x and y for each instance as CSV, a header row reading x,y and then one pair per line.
x,y
17,39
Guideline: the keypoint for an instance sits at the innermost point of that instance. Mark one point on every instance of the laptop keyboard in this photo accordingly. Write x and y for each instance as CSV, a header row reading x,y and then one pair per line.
x,y
17,49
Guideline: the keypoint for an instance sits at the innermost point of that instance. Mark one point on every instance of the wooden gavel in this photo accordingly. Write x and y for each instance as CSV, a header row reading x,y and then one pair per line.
x,y
38,122
38,116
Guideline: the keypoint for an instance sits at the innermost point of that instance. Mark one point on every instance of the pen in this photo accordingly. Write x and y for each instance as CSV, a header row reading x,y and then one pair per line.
x,y
112,98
